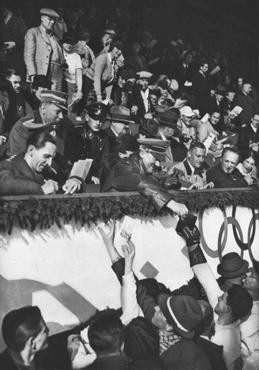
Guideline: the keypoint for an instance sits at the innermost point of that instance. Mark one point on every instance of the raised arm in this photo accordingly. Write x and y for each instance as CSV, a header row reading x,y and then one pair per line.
x,y
199,263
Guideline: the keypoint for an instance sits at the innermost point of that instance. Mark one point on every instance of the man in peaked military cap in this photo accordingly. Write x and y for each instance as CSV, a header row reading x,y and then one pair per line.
x,y
42,52
87,140
135,174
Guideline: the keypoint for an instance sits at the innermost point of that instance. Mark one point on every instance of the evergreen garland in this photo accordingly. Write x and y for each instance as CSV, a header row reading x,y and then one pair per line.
x,y
85,209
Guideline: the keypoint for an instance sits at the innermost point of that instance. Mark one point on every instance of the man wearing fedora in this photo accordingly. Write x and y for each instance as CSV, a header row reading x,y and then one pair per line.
x,y
232,270
119,128
135,174
230,307
42,52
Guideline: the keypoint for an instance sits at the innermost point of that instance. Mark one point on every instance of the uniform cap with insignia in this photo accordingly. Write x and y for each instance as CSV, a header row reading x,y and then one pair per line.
x,y
156,147
49,12
56,97
120,114
144,75
97,111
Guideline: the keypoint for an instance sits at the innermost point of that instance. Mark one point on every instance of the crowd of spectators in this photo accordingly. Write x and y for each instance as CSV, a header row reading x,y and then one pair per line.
x,y
205,324
126,112
173,115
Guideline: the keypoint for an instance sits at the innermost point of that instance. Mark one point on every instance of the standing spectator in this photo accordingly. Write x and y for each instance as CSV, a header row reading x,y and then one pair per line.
x,y
87,58
141,106
201,87
230,307
103,72
12,31
60,26
73,73
42,52
244,100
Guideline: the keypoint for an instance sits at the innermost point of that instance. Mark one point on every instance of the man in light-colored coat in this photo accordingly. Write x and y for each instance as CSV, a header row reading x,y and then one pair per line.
x,y
42,52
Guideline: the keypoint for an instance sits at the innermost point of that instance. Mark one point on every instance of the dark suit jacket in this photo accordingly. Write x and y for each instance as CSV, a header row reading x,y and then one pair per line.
x,y
245,102
16,178
129,175
224,180
118,362
246,136
201,91
136,99
214,353
185,355
50,359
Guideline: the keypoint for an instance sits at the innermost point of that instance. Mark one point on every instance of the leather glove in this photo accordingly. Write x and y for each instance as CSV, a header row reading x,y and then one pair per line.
x,y
187,229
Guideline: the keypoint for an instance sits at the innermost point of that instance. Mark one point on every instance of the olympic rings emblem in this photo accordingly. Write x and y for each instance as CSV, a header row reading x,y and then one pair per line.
x,y
223,234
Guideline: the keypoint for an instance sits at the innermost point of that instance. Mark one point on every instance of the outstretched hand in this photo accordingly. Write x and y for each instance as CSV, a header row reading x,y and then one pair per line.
x,y
190,235
107,232
129,254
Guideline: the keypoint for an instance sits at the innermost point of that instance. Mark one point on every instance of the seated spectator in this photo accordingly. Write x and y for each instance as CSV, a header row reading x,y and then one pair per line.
x,y
225,174
249,136
73,73
48,116
135,174
31,173
185,127
12,102
193,168
247,169
204,129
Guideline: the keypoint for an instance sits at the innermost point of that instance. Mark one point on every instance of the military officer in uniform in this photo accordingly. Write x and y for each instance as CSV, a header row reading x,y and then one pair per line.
x,y
87,140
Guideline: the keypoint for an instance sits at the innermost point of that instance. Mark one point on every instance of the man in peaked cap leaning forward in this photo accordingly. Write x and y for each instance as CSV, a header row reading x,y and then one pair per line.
x,y
49,114
135,174
42,52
